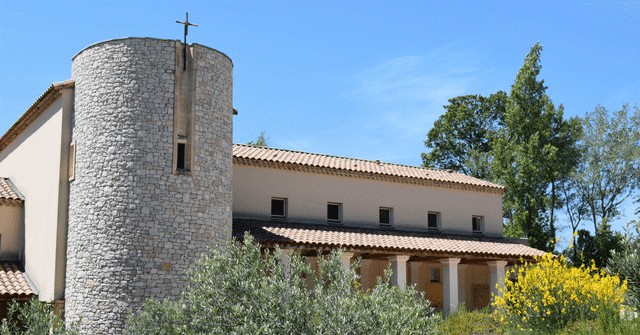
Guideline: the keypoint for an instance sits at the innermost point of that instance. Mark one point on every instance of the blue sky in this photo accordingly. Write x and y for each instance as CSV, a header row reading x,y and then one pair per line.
x,y
362,79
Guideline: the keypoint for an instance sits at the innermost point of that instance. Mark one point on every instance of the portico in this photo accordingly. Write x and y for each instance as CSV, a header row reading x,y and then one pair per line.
x,y
450,270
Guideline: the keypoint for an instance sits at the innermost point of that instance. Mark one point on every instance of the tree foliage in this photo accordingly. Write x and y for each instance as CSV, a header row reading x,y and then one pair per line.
x,y
261,141
533,152
34,318
609,172
461,139
626,261
244,290
520,140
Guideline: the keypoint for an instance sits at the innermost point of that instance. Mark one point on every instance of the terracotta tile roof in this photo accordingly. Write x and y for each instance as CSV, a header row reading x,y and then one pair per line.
x,y
249,154
318,236
13,282
9,193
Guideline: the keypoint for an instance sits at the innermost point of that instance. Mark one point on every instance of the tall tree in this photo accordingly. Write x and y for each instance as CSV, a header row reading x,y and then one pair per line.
x,y
532,153
461,139
609,172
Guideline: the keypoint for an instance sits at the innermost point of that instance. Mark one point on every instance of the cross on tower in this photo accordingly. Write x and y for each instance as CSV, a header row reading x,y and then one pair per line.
x,y
186,27
184,47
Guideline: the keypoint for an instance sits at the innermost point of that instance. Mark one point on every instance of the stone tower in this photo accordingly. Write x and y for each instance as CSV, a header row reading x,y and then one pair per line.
x,y
152,131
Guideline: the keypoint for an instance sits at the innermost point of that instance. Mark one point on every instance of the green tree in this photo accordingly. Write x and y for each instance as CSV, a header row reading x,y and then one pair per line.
x,y
609,172
243,289
461,138
533,152
626,261
597,248
261,141
34,318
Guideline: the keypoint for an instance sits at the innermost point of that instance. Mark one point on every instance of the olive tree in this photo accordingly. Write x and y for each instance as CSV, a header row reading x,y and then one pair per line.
x,y
244,289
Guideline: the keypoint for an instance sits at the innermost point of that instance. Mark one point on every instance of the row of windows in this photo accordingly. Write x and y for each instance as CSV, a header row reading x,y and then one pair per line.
x,y
334,215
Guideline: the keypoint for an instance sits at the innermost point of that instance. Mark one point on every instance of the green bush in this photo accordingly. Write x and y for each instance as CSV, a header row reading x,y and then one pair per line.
x,y
241,289
465,322
34,318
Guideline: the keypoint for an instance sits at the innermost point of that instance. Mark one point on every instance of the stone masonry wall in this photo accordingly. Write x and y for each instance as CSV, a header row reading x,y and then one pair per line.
x,y
134,226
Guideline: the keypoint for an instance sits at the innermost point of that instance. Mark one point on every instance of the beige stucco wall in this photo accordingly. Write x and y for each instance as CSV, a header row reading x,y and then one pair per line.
x,y
307,196
11,232
36,162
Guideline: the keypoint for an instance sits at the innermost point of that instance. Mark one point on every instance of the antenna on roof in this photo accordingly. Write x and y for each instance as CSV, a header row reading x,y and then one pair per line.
x,y
186,32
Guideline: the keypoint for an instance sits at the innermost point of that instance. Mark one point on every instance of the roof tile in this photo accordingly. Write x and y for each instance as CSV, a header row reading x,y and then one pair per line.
x,y
8,191
13,282
315,235
282,156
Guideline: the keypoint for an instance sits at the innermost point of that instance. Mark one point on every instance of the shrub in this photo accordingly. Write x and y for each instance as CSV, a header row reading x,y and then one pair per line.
x,y
548,294
34,318
464,322
626,262
242,289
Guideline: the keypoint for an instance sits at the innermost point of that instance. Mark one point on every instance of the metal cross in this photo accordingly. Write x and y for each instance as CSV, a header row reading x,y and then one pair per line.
x,y
184,47
186,27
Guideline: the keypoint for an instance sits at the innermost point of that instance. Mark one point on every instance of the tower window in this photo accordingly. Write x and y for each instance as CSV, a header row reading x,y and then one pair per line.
x,y
385,216
278,208
333,212
181,159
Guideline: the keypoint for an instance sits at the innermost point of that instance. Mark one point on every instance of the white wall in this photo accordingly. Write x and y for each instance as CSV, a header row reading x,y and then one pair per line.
x,y
11,232
36,163
307,195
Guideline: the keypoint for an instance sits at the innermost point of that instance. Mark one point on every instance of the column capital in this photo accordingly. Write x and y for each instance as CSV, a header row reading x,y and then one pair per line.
x,y
496,264
347,255
398,258
450,261
286,252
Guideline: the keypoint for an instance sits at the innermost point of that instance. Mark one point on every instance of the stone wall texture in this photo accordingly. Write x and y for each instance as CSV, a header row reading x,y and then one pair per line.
x,y
134,225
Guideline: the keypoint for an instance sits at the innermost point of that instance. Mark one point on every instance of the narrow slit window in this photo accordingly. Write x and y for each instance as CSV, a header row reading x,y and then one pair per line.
x,y
333,212
72,161
181,159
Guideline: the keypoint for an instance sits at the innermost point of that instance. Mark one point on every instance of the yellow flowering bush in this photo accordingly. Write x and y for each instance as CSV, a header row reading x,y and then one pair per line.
x,y
548,294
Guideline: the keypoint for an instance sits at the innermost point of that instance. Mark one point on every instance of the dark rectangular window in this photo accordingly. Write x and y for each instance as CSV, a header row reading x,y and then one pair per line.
x,y
333,212
476,224
278,207
385,216
432,220
435,275
180,162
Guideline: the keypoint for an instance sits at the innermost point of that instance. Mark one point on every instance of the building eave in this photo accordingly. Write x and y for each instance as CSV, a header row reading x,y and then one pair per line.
x,y
34,111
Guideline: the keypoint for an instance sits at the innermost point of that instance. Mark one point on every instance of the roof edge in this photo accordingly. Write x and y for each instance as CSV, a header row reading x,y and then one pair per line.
x,y
34,111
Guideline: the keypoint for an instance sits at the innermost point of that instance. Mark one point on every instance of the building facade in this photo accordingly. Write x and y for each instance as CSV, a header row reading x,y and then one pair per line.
x,y
114,182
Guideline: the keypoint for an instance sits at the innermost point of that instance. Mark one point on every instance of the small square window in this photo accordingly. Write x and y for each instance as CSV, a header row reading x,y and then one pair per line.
x,y
333,212
477,223
385,216
433,220
278,208
435,275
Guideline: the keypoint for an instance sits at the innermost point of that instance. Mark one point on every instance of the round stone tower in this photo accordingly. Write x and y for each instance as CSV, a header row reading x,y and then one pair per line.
x,y
152,131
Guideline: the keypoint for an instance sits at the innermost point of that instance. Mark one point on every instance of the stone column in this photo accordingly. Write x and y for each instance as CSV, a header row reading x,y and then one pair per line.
x,y
462,283
399,267
345,259
449,285
496,277
285,254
